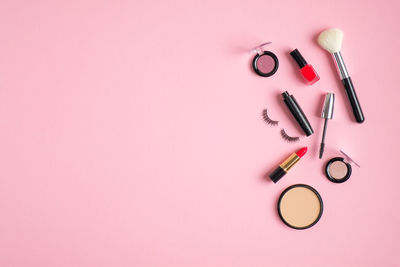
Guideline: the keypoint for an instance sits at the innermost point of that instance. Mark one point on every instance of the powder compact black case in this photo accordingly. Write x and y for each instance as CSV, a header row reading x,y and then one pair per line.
x,y
338,169
265,63
301,200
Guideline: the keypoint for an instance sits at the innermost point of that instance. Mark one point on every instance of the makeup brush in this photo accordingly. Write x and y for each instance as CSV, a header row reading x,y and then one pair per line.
x,y
327,114
331,41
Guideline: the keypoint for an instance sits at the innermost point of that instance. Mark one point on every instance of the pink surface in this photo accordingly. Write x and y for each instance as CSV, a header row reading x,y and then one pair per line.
x,y
131,133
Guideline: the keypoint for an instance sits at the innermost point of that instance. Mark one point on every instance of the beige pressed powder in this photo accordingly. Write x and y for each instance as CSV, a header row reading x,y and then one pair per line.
x,y
338,169
300,206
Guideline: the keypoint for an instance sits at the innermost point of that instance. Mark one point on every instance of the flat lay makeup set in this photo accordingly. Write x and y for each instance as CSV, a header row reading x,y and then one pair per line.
x,y
300,206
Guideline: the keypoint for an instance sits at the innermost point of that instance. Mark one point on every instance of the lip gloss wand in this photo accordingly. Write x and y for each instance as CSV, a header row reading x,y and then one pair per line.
x,y
327,114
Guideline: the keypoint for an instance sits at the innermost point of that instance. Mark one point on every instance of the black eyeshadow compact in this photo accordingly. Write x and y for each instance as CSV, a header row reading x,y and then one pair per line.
x,y
338,169
265,63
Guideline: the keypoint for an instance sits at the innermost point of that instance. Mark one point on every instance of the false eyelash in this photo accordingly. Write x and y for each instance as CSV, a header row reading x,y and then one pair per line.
x,y
267,119
289,138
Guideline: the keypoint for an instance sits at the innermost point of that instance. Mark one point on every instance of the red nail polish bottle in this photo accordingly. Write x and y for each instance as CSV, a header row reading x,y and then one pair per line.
x,y
307,71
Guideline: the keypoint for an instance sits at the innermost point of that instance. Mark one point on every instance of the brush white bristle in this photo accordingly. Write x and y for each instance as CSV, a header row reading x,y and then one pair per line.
x,y
331,40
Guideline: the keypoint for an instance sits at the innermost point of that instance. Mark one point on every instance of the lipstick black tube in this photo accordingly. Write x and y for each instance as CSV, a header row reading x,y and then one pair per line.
x,y
283,168
297,113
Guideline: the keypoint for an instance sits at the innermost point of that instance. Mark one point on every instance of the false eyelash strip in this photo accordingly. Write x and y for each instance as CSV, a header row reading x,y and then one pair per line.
x,y
289,138
268,120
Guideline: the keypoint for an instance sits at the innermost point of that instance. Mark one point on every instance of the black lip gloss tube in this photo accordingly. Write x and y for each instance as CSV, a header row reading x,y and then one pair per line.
x,y
297,113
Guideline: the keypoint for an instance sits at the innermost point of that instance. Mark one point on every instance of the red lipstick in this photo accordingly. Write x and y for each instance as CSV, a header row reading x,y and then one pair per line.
x,y
283,168
306,70
301,152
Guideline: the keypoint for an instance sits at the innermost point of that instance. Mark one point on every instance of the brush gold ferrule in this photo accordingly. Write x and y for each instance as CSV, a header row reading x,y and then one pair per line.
x,y
289,162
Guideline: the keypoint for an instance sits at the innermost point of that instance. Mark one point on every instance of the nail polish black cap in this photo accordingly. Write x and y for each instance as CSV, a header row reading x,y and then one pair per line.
x,y
298,58
297,113
277,174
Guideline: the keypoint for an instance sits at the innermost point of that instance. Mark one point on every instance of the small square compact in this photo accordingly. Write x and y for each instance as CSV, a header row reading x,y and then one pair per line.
x,y
338,169
265,63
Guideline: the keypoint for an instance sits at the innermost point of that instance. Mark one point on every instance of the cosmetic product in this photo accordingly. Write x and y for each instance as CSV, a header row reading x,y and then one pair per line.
x,y
282,169
306,70
331,40
289,138
297,113
300,206
265,63
338,169
327,114
268,120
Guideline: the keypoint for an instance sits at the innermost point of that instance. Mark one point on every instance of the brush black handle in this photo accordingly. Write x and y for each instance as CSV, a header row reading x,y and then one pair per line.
x,y
348,85
352,96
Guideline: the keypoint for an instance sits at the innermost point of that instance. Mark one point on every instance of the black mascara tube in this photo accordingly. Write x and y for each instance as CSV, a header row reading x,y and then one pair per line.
x,y
297,113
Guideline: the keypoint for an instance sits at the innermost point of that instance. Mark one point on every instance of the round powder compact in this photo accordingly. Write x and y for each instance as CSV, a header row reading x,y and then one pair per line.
x,y
300,206
265,63
337,170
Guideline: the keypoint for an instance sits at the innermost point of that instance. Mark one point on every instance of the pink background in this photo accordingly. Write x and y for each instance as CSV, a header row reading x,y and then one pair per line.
x,y
131,133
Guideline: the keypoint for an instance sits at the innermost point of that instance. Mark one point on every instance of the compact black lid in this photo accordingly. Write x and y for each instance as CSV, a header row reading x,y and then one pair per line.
x,y
262,72
331,174
298,58
284,218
